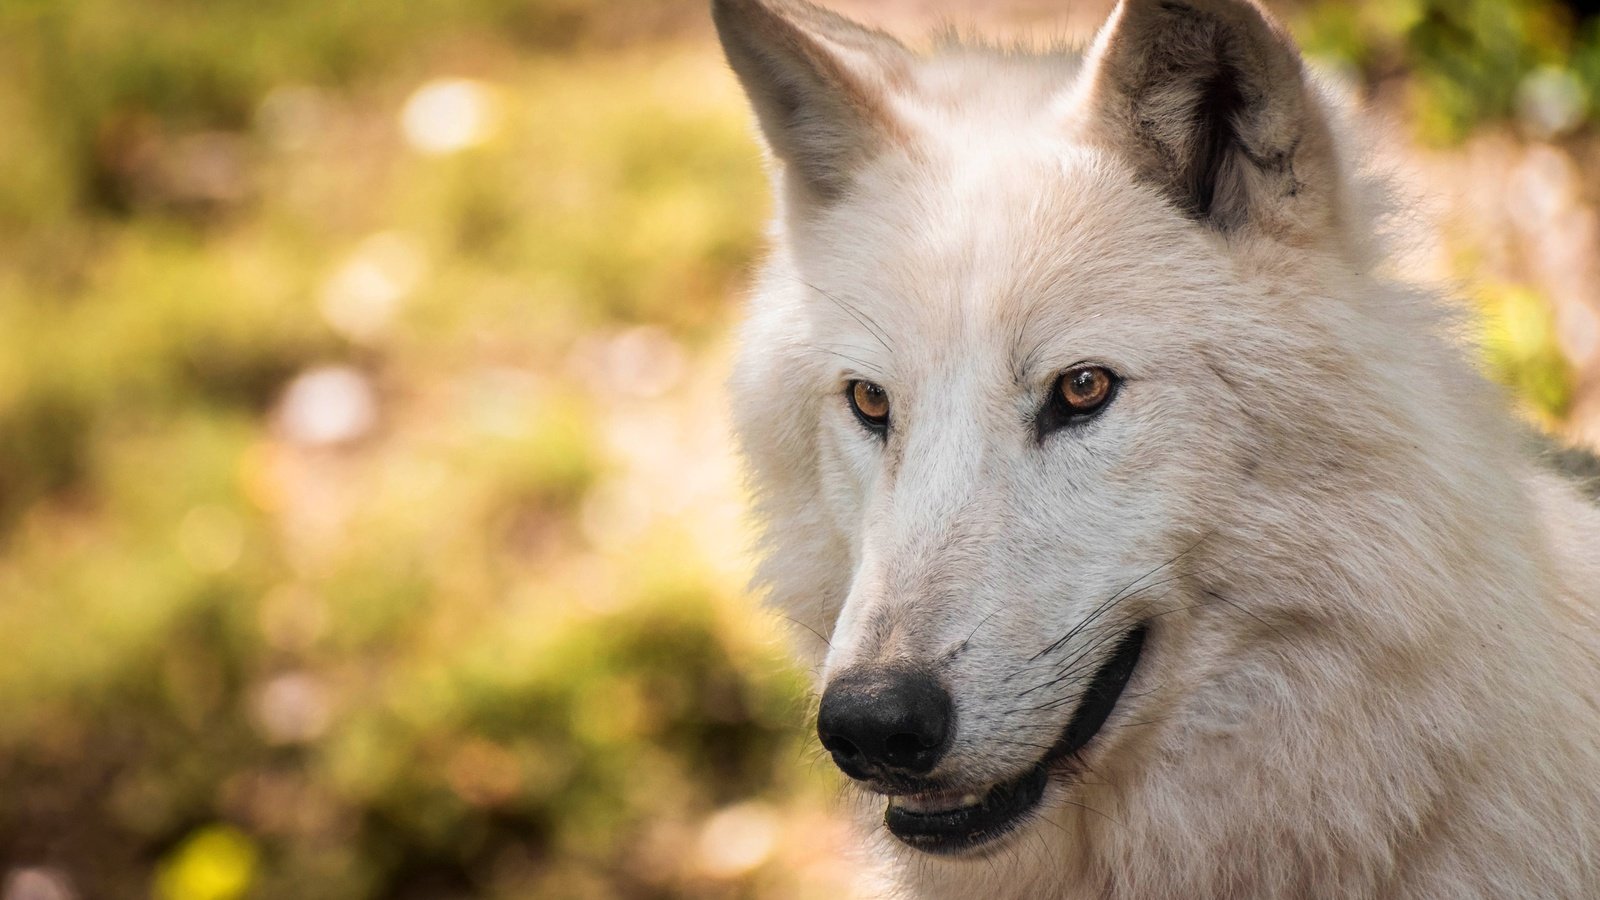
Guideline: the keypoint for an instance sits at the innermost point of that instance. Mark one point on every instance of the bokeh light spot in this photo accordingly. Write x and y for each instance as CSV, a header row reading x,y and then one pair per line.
x,y
737,839
217,863
38,883
328,405
449,115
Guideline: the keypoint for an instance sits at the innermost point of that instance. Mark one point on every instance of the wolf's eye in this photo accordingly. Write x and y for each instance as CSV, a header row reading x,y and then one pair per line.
x,y
1078,395
1085,389
870,404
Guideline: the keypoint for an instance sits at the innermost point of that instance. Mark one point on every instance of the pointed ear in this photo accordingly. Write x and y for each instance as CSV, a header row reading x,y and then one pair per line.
x,y
818,83
1210,102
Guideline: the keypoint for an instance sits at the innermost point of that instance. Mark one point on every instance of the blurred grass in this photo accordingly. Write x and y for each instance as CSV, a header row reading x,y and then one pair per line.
x,y
299,420
365,523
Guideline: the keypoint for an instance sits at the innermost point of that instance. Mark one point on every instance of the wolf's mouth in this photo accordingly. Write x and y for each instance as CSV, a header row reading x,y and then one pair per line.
x,y
953,822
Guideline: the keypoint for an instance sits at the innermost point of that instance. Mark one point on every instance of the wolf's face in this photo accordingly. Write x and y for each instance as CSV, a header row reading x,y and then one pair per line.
x,y
990,390
1010,398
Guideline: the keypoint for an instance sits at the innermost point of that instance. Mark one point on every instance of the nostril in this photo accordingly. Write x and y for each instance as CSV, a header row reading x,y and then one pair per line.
x,y
839,746
903,749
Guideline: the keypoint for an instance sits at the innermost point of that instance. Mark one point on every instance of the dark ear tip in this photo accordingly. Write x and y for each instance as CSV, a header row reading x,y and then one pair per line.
x,y
1236,12
739,21
1264,44
753,21
728,12
1215,7
721,10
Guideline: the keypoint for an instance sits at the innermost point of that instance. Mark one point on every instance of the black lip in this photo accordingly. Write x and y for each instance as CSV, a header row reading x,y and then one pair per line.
x,y
949,833
1007,805
1101,697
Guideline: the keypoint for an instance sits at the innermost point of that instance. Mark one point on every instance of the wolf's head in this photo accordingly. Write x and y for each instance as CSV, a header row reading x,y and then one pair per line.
x,y
1064,366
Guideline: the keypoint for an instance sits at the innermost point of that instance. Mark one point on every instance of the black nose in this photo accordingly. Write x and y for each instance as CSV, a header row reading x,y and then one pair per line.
x,y
884,721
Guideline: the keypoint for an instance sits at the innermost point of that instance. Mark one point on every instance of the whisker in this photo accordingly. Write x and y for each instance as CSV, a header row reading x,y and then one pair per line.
x,y
1105,634
1087,808
961,647
1264,623
825,642
867,366
864,320
1043,748
1119,595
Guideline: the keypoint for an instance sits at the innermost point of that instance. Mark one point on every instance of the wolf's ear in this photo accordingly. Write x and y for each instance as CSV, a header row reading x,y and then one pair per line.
x,y
818,83
1209,100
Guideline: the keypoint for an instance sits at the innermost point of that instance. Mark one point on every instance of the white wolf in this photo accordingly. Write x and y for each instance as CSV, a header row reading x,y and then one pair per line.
x,y
1166,544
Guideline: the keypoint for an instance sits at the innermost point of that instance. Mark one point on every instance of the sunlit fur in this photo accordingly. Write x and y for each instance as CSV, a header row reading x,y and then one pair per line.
x,y
1372,668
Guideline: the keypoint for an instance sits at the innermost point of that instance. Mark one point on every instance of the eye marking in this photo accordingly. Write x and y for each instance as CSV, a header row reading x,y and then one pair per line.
x,y
1078,395
870,403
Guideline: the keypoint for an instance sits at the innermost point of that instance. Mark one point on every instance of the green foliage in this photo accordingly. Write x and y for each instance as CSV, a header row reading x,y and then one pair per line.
x,y
1466,62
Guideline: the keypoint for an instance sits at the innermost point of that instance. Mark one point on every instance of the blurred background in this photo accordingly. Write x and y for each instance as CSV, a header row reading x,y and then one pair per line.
x,y
368,527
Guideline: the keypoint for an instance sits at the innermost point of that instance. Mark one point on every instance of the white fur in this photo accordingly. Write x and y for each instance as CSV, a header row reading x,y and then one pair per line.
x,y
1372,667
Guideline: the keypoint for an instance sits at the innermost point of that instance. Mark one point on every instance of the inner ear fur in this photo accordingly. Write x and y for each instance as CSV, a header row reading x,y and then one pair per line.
x,y
817,83
1208,99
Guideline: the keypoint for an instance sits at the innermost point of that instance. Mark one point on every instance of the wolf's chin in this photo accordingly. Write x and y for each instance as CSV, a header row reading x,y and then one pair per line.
x,y
950,823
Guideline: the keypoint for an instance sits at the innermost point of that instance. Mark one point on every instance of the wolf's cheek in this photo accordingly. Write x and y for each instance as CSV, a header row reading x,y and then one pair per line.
x,y
849,471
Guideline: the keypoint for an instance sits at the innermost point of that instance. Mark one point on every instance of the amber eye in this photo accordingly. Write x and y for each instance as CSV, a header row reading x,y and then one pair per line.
x,y
1080,393
870,403
1086,389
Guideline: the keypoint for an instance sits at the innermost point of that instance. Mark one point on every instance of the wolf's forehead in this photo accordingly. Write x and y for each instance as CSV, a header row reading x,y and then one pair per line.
x,y
966,78
999,207
1042,269
998,253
